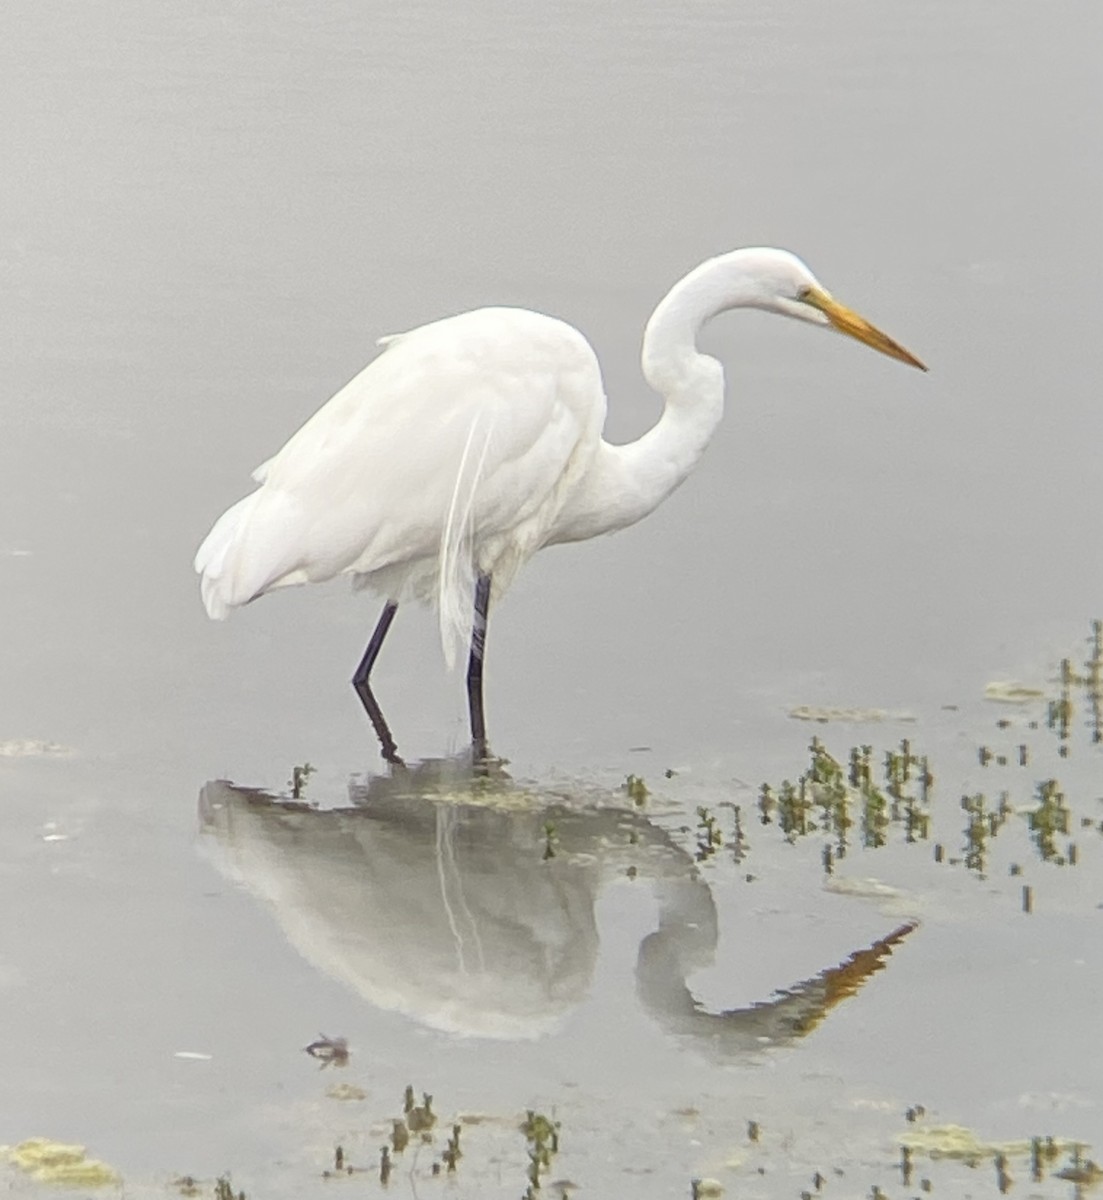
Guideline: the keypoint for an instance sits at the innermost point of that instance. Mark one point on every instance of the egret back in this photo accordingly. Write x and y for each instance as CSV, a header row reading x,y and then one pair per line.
x,y
450,454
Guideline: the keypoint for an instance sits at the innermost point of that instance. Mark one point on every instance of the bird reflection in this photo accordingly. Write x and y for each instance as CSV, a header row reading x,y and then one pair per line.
x,y
465,900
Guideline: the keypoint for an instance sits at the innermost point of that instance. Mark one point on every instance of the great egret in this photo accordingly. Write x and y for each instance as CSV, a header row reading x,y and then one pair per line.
x,y
473,442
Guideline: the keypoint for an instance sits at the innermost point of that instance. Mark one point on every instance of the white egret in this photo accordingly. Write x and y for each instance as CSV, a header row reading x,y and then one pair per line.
x,y
473,442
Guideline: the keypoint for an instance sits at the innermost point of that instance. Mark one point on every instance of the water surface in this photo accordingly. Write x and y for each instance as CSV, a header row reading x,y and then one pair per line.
x,y
210,214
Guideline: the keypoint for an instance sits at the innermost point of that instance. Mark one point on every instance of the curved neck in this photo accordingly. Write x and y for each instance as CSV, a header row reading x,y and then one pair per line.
x,y
628,482
670,357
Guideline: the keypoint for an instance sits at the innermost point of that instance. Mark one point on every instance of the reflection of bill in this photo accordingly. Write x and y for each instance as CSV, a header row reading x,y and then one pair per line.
x,y
434,895
682,945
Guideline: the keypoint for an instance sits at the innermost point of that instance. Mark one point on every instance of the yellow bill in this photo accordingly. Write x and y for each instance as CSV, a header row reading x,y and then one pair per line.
x,y
847,321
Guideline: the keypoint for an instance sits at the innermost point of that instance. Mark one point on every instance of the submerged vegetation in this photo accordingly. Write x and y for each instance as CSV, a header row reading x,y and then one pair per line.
x,y
830,797
223,1189
636,790
866,798
542,1142
300,777
1007,807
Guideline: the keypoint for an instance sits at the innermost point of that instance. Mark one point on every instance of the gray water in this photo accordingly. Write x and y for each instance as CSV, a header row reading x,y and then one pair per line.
x,y
208,214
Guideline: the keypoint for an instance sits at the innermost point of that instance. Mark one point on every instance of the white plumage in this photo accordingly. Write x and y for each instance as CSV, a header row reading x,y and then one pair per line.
x,y
470,443
450,453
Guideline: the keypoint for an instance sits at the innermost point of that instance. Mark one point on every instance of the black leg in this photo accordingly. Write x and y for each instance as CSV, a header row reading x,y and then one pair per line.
x,y
363,687
475,669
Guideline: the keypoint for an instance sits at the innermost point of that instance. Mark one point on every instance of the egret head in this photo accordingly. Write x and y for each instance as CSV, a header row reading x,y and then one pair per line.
x,y
786,285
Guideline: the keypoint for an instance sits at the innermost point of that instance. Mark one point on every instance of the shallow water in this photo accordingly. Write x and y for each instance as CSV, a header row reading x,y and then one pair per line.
x,y
213,214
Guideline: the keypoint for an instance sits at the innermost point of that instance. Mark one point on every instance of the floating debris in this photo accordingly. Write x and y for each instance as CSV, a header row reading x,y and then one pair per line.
x,y
51,832
33,748
957,1142
870,889
331,1052
1007,691
59,1164
853,716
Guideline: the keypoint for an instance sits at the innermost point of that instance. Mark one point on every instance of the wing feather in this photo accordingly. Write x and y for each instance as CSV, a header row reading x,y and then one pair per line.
x,y
453,443
456,567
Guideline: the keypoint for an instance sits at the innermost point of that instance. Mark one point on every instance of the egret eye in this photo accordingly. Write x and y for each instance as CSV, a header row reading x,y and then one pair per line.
x,y
804,294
